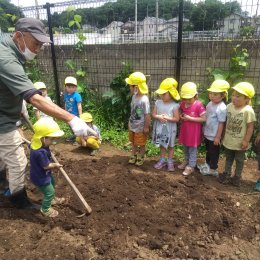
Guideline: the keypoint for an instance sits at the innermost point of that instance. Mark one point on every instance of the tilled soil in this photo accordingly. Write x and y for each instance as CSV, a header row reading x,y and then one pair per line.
x,y
138,213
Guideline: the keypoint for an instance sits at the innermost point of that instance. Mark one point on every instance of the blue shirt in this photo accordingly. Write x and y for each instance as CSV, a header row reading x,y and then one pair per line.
x,y
71,102
39,159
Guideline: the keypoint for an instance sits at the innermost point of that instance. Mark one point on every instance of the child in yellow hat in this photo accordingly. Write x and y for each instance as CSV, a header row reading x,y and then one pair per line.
x,y
166,115
193,114
139,121
216,112
238,131
41,164
91,141
42,87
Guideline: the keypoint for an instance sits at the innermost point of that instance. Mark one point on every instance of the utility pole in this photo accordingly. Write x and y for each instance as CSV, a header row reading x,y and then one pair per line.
x,y
157,19
135,20
37,10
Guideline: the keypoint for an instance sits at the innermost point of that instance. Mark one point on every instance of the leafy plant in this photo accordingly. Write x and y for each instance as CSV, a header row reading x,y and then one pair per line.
x,y
118,98
238,64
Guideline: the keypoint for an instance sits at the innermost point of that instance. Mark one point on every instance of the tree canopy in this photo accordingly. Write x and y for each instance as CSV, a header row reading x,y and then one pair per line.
x,y
203,15
9,13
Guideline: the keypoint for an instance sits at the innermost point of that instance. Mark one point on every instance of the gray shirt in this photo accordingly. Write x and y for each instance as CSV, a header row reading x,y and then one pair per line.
x,y
164,133
140,106
13,83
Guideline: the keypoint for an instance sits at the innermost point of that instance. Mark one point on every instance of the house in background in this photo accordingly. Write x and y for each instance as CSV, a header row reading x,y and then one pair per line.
x,y
231,25
113,28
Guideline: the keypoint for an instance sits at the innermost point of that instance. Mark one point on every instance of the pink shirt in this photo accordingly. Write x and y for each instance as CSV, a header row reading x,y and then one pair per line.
x,y
191,132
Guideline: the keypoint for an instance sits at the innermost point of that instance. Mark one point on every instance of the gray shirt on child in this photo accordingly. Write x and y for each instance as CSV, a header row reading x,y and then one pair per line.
x,y
140,106
164,133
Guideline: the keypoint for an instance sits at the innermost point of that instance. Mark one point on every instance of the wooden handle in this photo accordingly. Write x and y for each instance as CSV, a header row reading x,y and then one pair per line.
x,y
72,185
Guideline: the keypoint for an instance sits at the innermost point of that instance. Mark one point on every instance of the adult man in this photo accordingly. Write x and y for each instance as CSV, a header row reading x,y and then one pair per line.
x,y
15,86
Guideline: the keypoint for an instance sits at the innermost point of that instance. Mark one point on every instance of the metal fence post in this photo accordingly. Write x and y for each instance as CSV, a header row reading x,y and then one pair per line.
x,y
179,43
55,72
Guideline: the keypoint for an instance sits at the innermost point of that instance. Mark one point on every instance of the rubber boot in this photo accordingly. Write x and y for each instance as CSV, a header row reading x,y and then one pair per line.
x,y
3,182
21,201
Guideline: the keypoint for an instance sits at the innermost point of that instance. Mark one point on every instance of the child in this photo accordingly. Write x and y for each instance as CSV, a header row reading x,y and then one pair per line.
x,y
41,165
166,115
72,100
257,151
193,114
239,129
139,120
91,141
42,87
216,112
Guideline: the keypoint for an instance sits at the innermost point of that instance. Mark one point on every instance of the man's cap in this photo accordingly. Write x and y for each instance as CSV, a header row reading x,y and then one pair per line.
x,y
33,26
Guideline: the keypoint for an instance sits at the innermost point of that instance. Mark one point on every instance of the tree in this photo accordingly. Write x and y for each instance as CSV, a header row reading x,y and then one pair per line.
x,y
9,13
205,15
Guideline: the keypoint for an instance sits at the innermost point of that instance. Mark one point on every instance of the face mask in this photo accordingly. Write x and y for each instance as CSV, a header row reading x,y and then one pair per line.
x,y
28,55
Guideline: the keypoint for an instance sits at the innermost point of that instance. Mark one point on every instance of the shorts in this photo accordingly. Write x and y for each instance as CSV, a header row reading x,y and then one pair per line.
x,y
137,138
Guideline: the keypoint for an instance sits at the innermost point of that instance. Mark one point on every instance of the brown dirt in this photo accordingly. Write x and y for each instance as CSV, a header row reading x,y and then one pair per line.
x,y
138,213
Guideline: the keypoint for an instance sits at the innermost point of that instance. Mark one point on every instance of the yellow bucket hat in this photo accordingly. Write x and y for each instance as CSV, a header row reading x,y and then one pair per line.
x,y
245,88
188,90
138,79
169,85
71,80
86,117
44,127
39,85
219,86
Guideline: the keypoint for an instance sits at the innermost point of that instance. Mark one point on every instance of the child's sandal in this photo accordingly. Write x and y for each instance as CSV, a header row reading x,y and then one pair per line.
x,y
51,213
139,161
132,159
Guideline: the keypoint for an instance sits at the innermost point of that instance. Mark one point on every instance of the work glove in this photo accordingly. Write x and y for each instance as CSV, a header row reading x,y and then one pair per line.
x,y
80,128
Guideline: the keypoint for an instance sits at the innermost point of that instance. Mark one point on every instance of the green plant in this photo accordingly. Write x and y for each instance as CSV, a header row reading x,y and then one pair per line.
x,y
118,99
238,65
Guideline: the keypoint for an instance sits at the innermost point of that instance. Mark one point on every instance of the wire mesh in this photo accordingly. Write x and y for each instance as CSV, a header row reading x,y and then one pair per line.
x,y
144,34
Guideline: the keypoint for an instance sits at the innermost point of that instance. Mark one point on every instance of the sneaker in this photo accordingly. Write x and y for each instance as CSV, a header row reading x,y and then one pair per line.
x,y
93,152
139,161
257,186
170,165
57,201
224,178
132,159
182,165
188,170
51,213
203,168
160,164
209,172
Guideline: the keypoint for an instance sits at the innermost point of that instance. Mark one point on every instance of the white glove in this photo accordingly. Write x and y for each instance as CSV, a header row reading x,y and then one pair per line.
x,y
80,128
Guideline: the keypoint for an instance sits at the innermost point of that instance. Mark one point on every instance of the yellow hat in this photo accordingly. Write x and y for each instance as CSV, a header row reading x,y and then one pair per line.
x,y
39,85
71,80
188,90
86,117
169,85
245,88
42,128
219,86
138,79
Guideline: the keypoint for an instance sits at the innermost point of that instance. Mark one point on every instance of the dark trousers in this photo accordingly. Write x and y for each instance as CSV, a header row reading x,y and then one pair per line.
x,y
212,154
234,155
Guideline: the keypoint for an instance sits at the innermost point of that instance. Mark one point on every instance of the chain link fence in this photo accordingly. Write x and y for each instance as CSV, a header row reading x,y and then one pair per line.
x,y
189,40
